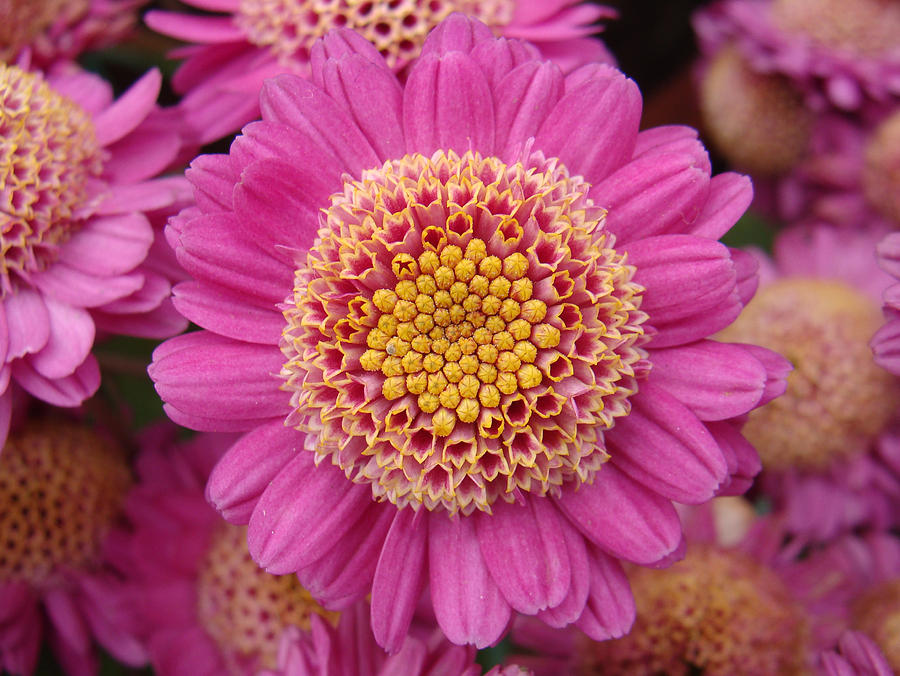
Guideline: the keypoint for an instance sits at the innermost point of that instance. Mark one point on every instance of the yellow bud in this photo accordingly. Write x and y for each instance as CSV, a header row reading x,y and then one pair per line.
x,y
521,290
407,331
440,346
406,289
526,351
471,303
436,383
503,340
519,329
468,386
490,305
377,339
488,353
405,310
442,317
489,396
482,336
545,336
468,364
424,323
479,285
384,300
411,362
426,285
508,361
444,277
450,396
490,267
468,410
495,324
444,421
458,292
515,266
416,382
388,324
397,347
393,388
428,403
509,310
451,255
465,270
528,376
476,250
371,360
453,371
432,362
506,382
453,353
442,299
487,373
468,345
534,310
392,366
436,333
421,344
428,262
500,287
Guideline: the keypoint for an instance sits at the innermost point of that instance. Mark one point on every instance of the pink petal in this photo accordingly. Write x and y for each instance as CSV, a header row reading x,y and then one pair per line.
x,y
244,472
885,346
746,267
143,154
715,380
80,289
207,424
66,619
569,23
592,129
529,94
129,110
71,339
27,321
338,43
213,178
228,313
468,605
744,463
399,579
610,609
663,445
68,391
572,605
302,513
207,375
777,370
161,322
147,196
575,52
623,517
729,196
190,28
5,407
525,552
456,33
497,58
670,138
447,105
110,245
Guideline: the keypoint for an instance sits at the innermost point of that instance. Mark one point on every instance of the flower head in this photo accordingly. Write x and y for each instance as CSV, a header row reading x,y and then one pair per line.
x,y
478,305
260,38
77,192
61,490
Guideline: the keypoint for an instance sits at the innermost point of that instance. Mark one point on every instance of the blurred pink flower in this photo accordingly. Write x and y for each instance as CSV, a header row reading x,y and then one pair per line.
x,y
546,278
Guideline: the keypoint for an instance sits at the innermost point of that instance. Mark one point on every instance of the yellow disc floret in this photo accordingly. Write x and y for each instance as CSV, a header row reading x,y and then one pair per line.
x,y
837,398
448,362
48,153
397,28
61,486
245,609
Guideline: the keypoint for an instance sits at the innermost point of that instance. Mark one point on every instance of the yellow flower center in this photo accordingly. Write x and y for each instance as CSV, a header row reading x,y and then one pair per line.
x,y
865,27
61,486
397,28
881,170
24,20
245,609
717,612
463,329
837,398
759,121
877,614
48,154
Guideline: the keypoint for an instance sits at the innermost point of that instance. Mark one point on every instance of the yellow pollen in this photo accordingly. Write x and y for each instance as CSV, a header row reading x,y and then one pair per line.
x,y
245,609
837,398
61,486
460,342
50,154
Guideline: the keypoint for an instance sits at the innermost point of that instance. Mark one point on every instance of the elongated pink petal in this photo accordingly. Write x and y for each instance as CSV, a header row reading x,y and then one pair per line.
x,y
663,445
399,579
529,94
213,178
80,289
68,391
623,517
339,43
610,610
468,605
204,29
457,33
67,620
729,196
228,313
147,196
743,461
27,322
525,552
129,110
71,339
143,154
109,245
572,606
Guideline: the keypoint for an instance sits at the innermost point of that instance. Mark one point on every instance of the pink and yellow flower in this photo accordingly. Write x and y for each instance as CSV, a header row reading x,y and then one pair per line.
x,y
465,326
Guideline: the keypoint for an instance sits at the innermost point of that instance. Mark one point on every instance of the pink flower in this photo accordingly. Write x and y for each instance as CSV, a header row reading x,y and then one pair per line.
x,y
61,488
886,341
233,53
52,30
856,655
839,53
829,450
78,242
571,393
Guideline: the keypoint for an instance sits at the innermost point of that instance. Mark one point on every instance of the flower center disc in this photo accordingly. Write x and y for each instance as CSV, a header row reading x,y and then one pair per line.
x,y
837,398
397,28
866,27
60,490
244,608
24,20
462,329
48,153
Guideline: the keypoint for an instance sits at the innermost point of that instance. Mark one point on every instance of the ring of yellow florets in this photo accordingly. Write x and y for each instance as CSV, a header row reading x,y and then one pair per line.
x,y
463,329
397,28
49,153
245,609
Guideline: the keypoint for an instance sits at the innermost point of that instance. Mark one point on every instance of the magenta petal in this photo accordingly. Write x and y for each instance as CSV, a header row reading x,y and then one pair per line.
x,y
623,517
885,346
129,110
213,178
447,105
80,289
573,604
244,472
592,129
653,194
71,339
344,574
27,322
5,406
203,29
777,370
68,391
372,95
110,245
456,33
211,376
497,58
671,138
746,267
228,313
302,513
399,579
663,445
729,196
744,463
468,605
143,154
528,95
610,609
715,380
147,196
66,618
525,552
338,43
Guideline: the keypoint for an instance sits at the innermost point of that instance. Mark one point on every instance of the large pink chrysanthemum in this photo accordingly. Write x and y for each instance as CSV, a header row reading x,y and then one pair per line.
x,y
61,489
233,53
488,298
77,239
841,53
62,29
829,447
